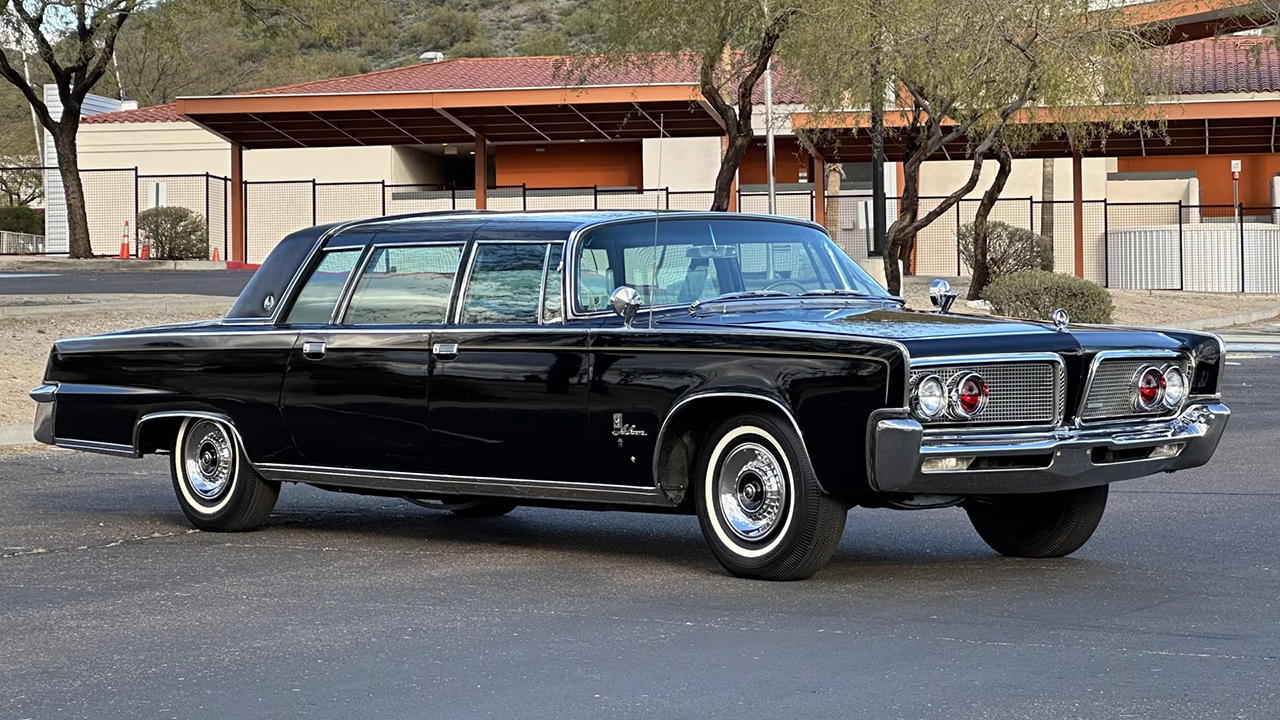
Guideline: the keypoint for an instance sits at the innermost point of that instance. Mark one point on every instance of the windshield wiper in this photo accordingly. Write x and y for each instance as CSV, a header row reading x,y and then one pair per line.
x,y
740,295
836,291
746,294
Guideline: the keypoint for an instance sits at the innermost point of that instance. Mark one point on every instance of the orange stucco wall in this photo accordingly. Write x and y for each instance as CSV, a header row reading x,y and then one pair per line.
x,y
618,164
789,160
1214,173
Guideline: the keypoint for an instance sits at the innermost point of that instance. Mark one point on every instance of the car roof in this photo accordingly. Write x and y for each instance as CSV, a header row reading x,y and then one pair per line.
x,y
548,225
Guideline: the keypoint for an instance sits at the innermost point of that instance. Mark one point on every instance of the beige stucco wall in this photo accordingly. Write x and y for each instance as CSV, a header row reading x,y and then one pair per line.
x,y
681,163
177,148
943,177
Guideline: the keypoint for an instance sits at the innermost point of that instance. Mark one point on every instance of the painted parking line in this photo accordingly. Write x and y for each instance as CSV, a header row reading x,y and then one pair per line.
x,y
28,275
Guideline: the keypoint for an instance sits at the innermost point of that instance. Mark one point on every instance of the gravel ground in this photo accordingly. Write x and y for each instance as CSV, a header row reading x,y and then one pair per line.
x,y
25,343
1132,307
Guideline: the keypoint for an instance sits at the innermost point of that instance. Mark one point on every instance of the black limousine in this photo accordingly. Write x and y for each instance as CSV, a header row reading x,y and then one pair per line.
x,y
735,367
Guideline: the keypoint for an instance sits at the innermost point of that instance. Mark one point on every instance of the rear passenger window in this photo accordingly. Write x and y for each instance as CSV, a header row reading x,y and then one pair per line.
x,y
505,284
319,295
553,300
405,286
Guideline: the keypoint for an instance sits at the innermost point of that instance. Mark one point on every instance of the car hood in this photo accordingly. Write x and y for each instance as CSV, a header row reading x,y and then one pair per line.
x,y
928,334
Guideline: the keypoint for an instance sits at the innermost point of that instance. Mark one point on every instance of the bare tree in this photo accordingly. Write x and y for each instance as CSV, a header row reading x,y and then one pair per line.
x,y
75,39
726,44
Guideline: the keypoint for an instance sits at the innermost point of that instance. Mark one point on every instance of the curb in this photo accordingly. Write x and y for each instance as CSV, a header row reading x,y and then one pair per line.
x,y
16,435
158,305
1240,318
32,264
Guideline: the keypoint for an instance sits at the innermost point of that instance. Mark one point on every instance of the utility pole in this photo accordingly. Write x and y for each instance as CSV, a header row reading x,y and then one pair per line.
x,y
35,120
879,209
768,125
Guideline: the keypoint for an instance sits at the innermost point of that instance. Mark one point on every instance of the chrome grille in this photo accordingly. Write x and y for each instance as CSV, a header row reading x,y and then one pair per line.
x,y
1110,394
1024,393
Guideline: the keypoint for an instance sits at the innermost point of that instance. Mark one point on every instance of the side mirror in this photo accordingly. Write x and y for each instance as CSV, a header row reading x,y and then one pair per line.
x,y
626,302
942,295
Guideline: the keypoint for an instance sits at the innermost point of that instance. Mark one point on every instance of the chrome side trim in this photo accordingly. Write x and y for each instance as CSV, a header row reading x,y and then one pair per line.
x,y
44,393
1113,354
94,446
987,359
194,414
389,481
662,430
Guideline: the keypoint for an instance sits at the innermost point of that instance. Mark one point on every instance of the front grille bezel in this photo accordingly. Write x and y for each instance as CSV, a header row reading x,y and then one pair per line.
x,y
1156,358
949,366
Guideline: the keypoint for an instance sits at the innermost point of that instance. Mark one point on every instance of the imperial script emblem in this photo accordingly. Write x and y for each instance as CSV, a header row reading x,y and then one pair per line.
x,y
621,428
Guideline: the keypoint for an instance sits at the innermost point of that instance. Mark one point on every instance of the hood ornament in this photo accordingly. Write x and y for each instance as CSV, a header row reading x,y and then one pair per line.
x,y
1061,320
942,296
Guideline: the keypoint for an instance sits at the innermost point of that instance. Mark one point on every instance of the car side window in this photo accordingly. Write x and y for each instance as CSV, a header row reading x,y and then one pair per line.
x,y
552,300
504,285
405,286
595,279
320,293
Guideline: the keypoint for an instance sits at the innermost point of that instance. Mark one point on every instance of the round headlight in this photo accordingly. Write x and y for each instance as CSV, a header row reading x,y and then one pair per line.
x,y
970,394
1175,386
1149,389
930,397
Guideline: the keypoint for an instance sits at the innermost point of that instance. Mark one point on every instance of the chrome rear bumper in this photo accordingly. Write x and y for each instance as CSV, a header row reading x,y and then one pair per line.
x,y
1062,459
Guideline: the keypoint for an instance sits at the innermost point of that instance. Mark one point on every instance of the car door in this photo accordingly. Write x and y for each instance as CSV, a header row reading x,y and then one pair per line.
x,y
508,399
356,389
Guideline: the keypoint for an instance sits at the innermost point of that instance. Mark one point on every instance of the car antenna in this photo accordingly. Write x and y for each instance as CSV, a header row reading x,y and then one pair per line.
x,y
653,278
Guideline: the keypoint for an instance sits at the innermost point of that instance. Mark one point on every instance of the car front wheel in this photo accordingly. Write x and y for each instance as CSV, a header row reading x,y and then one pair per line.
x,y
217,488
759,502
1045,525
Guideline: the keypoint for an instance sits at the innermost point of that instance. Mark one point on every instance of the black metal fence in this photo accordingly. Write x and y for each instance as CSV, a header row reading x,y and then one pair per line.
x,y
1150,245
113,200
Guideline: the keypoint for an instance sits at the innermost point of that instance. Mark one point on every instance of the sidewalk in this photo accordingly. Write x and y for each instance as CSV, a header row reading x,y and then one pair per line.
x,y
32,263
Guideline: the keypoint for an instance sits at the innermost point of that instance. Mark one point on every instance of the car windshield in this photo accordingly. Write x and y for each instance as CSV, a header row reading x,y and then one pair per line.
x,y
675,260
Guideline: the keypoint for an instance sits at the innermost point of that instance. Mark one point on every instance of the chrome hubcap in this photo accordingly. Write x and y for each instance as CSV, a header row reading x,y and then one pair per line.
x,y
207,459
752,490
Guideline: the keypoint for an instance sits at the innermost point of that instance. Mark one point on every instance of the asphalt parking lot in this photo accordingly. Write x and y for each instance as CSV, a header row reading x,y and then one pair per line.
x,y
111,607
222,283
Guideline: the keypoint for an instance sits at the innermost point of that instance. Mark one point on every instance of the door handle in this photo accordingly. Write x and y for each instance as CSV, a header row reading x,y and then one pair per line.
x,y
313,350
445,350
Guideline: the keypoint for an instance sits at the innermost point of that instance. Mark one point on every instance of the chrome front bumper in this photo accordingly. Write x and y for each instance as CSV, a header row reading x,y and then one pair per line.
x,y
1061,459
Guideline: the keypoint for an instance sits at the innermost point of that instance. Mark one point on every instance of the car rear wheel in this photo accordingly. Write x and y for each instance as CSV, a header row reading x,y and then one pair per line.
x,y
217,488
1039,526
759,502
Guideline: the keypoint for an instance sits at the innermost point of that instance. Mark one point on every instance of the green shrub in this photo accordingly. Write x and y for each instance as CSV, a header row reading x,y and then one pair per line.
x,y
21,219
174,233
1010,249
1035,294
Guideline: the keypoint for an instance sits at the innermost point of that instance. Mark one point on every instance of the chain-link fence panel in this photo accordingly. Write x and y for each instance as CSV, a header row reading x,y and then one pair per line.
x,y
509,198
579,198
402,199
1144,246
690,200
218,202
185,191
653,199
338,202
111,205
791,203
1015,212
273,210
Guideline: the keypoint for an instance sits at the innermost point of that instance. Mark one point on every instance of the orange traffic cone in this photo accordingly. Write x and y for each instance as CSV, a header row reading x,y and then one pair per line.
x,y
144,253
215,255
124,242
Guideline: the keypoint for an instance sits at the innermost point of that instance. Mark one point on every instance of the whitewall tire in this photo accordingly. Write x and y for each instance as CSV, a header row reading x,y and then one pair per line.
x,y
759,503
216,486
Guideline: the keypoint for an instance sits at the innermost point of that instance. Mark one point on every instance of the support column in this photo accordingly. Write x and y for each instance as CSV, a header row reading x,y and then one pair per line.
x,y
239,249
1077,207
482,174
819,191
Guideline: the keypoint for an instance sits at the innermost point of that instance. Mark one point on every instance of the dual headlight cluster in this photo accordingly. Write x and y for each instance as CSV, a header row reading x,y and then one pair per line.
x,y
1154,388
963,397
